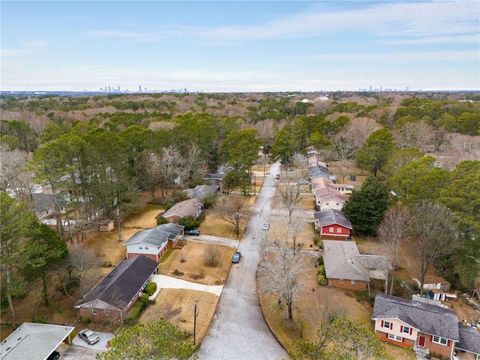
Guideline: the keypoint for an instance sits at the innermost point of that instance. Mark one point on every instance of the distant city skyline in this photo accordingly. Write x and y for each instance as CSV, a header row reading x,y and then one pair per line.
x,y
240,46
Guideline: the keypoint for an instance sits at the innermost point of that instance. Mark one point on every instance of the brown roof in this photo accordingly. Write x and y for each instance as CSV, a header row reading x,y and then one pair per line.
x,y
190,207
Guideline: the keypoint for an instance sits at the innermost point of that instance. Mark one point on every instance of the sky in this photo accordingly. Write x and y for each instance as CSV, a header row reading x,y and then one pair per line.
x,y
240,46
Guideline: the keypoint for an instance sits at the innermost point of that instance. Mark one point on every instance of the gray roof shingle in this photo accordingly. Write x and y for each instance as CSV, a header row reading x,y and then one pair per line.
x,y
469,339
428,318
156,236
332,216
202,191
123,283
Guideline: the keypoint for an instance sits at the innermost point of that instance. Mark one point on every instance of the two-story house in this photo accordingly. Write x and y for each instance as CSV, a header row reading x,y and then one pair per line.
x,y
417,324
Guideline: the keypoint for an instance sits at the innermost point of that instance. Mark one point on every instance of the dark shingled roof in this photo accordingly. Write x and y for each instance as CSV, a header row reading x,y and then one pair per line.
x,y
202,191
469,339
428,318
332,216
123,283
156,236
46,202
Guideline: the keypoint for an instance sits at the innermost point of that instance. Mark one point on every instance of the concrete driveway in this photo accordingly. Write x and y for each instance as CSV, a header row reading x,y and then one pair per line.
x,y
170,282
75,352
99,346
238,330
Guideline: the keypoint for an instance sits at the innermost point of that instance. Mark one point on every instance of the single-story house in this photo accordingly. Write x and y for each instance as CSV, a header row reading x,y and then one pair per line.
x,y
114,295
32,341
218,178
332,224
328,198
190,207
320,183
346,268
202,191
425,327
154,242
469,342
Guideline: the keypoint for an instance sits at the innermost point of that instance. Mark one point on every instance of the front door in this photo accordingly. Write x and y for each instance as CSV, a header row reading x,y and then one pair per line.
x,y
421,341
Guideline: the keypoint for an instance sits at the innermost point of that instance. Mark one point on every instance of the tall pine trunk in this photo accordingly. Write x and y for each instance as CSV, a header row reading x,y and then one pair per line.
x,y
45,288
9,296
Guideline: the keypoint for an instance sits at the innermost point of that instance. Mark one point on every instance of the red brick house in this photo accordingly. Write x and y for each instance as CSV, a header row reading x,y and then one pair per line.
x,y
332,224
115,294
418,324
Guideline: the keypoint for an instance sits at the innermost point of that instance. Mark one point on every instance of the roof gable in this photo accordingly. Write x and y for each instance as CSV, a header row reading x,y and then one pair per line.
x,y
428,318
332,216
156,236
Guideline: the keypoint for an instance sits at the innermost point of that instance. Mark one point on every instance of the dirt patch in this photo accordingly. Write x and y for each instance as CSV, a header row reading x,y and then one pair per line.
x,y
189,261
177,307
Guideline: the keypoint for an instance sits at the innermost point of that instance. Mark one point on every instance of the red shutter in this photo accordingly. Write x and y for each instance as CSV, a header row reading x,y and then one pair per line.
x,y
449,342
431,338
382,324
401,328
391,325
411,329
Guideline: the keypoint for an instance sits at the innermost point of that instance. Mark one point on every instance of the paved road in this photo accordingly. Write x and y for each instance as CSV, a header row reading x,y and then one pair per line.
x,y
238,331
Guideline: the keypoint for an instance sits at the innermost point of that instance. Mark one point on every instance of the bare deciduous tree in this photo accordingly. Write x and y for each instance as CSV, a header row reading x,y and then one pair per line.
x,y
280,274
211,256
232,210
291,193
414,135
391,232
433,236
359,130
295,227
14,175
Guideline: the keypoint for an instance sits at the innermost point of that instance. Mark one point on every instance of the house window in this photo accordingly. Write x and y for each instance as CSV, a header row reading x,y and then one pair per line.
x,y
338,204
146,247
440,340
406,329
140,247
387,325
339,230
331,229
326,204
395,337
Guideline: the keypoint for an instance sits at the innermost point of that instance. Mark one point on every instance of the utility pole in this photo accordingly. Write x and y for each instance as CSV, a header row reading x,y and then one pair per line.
x,y
195,313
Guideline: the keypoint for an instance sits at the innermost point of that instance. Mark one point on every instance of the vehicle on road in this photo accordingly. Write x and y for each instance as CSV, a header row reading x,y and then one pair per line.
x,y
266,226
89,336
236,257
193,232
277,176
54,356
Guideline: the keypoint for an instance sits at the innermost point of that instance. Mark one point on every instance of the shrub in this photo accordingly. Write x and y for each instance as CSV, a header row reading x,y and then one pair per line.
x,y
161,220
177,272
211,257
150,288
134,312
143,299
189,222
209,201
321,278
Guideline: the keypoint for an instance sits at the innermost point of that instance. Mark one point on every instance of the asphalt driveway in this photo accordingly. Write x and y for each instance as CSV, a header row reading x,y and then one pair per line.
x,y
99,346
238,331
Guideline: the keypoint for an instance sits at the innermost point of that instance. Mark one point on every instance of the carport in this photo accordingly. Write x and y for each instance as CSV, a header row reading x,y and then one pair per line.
x,y
33,341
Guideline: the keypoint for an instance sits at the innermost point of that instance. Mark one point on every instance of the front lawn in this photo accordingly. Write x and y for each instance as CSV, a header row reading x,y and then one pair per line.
x,y
188,264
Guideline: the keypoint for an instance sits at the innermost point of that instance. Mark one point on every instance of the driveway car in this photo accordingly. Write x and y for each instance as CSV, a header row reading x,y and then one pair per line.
x,y
193,232
236,257
89,336
266,226
54,356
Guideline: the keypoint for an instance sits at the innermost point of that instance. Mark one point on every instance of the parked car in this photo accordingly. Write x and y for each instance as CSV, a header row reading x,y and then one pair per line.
x,y
193,232
54,356
266,226
277,176
89,336
236,257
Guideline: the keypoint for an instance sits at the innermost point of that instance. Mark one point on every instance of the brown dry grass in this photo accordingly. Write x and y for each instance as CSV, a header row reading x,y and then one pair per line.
x,y
106,244
309,309
278,231
193,267
176,306
351,169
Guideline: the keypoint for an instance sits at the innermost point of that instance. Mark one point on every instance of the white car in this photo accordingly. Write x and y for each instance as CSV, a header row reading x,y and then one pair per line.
x,y
266,226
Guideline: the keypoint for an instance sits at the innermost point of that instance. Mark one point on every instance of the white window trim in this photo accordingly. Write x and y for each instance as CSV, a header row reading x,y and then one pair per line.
x,y
331,229
385,324
439,340
406,328
395,337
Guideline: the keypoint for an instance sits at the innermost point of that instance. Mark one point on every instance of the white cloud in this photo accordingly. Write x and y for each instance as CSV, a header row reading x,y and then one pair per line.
x,y
425,19
447,39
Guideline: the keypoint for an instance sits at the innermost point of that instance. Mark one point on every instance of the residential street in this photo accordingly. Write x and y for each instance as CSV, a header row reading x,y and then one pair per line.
x,y
238,330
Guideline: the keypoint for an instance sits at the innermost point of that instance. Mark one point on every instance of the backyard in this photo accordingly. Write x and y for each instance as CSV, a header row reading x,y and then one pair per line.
x,y
188,264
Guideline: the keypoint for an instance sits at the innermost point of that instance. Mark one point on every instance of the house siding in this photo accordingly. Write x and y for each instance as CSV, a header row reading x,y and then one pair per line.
x,y
339,232
404,343
438,349
347,284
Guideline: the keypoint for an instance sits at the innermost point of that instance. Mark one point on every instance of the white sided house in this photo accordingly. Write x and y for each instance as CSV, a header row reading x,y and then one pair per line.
x,y
154,242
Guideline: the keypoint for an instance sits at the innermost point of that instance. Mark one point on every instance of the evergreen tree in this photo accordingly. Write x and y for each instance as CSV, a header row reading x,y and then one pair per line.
x,y
377,150
366,206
